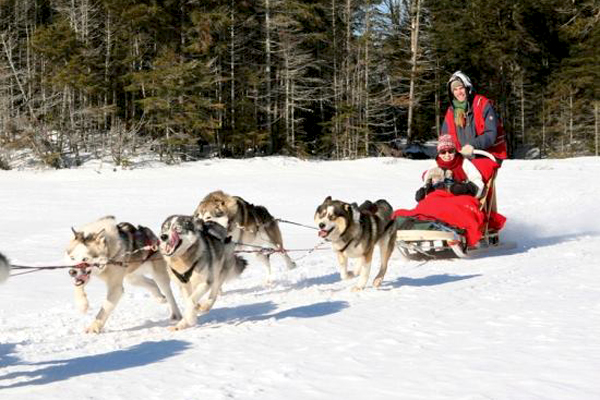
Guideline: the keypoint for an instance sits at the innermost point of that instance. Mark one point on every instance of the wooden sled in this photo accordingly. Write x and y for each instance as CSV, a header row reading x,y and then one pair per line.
x,y
418,239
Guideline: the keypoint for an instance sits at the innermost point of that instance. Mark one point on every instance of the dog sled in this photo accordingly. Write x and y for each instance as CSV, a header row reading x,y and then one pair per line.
x,y
443,225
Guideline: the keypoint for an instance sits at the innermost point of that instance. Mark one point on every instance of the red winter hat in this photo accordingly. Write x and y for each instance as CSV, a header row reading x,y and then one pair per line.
x,y
445,143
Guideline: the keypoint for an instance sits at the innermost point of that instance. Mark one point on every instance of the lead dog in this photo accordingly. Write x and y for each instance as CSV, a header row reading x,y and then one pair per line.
x,y
116,252
200,256
247,224
354,232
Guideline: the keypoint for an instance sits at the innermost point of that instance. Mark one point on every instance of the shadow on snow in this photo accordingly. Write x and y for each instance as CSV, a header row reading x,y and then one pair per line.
x,y
431,280
60,370
6,357
265,310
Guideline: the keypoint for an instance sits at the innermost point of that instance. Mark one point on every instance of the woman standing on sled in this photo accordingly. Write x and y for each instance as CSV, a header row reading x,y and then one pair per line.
x,y
473,124
453,173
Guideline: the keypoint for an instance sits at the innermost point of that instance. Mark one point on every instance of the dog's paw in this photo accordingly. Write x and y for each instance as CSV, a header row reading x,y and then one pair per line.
x,y
175,328
203,307
181,325
357,288
95,327
377,282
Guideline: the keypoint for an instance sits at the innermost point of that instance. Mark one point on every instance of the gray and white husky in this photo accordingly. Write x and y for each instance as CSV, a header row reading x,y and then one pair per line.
x,y
116,252
246,223
354,232
200,257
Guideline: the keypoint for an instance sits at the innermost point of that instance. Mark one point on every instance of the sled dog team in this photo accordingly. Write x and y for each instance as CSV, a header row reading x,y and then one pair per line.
x,y
197,251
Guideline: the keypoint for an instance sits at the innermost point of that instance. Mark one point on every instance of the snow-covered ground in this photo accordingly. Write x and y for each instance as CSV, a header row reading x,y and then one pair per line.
x,y
517,324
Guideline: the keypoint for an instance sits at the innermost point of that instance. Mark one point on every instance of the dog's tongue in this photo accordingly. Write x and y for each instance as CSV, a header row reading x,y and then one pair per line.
x,y
173,241
323,233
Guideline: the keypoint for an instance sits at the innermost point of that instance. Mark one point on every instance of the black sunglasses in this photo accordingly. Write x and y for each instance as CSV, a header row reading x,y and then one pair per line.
x,y
451,151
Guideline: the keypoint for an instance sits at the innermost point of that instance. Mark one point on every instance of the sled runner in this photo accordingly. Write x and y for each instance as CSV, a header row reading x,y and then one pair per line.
x,y
443,224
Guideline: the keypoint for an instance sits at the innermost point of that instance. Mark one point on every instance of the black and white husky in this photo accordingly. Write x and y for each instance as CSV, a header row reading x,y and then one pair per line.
x,y
200,257
354,232
116,252
246,223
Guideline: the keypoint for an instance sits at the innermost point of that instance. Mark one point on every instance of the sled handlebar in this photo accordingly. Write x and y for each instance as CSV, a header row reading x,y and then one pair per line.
x,y
485,154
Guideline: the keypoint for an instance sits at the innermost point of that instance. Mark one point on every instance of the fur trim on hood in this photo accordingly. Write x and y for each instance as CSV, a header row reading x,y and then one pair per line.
x,y
460,76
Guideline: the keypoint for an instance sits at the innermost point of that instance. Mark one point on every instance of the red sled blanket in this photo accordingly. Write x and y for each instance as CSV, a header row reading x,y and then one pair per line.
x,y
459,211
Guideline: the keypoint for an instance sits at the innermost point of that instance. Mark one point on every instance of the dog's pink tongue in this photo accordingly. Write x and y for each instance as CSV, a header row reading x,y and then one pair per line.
x,y
173,240
323,233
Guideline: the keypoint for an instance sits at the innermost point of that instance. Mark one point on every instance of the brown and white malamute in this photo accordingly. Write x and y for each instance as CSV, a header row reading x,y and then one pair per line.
x,y
246,223
116,252
354,232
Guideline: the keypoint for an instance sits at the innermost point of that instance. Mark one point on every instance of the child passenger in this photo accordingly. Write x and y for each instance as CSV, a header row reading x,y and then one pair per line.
x,y
452,172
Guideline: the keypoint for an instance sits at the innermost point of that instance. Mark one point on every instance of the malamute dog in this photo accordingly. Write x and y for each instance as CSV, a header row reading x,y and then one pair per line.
x,y
354,231
116,252
246,223
200,257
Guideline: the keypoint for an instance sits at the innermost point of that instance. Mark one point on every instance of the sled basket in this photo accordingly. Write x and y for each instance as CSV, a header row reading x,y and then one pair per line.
x,y
418,238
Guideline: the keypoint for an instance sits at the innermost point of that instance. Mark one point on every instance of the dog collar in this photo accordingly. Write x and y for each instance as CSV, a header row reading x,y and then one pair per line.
x,y
185,277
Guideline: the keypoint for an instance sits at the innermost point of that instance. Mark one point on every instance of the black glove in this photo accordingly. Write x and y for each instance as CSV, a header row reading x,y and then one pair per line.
x,y
422,192
463,188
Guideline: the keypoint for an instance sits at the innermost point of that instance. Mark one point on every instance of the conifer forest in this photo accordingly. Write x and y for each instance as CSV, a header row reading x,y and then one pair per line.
x,y
330,79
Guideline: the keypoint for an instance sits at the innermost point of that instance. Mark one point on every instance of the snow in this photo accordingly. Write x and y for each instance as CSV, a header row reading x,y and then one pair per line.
x,y
515,324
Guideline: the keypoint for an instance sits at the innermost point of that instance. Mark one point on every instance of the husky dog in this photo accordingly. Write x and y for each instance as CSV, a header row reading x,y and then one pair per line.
x,y
354,231
200,257
4,268
116,252
247,224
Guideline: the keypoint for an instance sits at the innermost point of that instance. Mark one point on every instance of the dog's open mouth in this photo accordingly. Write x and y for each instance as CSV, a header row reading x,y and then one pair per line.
x,y
80,274
323,233
171,245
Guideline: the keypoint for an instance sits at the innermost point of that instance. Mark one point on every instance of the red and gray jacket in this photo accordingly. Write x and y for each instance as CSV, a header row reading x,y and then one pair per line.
x,y
482,130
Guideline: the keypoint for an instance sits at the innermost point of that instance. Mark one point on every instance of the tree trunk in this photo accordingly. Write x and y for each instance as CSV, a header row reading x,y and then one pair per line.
x,y
232,64
347,97
571,120
336,105
438,112
596,117
522,95
415,12
7,52
108,45
366,86
268,74
543,125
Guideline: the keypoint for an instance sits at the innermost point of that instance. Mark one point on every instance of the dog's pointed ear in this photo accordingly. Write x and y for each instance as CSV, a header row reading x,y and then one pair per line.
x,y
327,199
77,235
